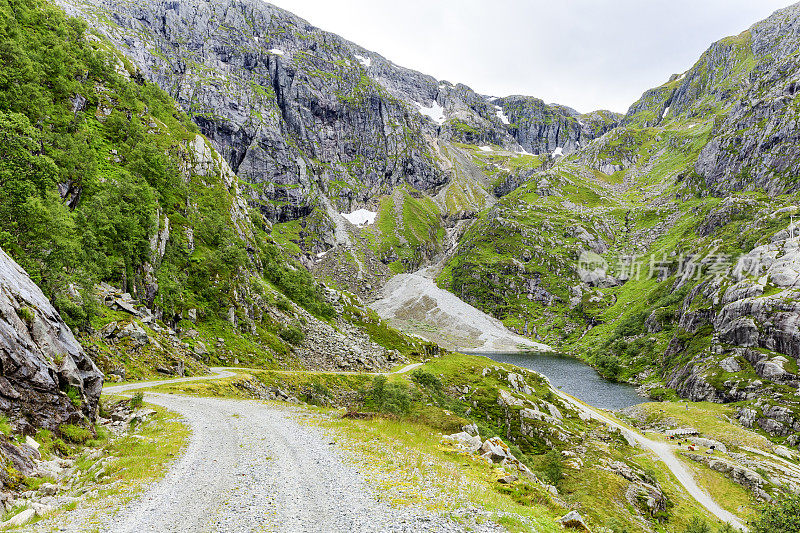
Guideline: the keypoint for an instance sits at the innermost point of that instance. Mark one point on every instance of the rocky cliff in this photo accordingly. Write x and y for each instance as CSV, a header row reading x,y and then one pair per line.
x,y
298,112
46,379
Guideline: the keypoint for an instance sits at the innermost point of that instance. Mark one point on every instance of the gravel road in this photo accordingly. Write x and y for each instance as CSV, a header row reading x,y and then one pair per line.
x,y
253,466
665,453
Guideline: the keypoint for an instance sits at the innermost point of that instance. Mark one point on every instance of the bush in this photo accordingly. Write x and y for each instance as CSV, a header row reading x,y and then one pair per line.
x,y
394,398
74,396
697,525
292,335
427,380
663,395
781,515
25,314
137,399
76,434
609,366
552,467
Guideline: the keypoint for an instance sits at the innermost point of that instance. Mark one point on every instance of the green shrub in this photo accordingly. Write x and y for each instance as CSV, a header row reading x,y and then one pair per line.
x,y
292,335
609,365
552,467
427,380
663,395
385,397
137,399
74,396
25,314
697,525
5,425
76,434
781,515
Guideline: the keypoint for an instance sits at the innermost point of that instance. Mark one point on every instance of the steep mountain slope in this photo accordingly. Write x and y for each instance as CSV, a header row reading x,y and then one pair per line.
x,y
314,124
137,228
665,251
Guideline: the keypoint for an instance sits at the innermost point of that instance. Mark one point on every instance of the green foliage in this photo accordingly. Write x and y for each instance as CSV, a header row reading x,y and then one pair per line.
x,y
292,335
5,425
48,444
137,400
74,396
75,434
697,525
552,467
26,314
781,515
427,380
385,397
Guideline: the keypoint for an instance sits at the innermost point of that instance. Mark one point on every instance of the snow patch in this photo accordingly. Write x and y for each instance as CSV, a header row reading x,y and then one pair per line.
x,y
361,217
276,51
435,112
558,152
523,152
366,61
503,118
486,148
665,112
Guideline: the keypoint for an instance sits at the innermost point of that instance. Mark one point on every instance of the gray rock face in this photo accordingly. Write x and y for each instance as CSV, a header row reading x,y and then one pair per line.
x,y
541,128
291,108
299,113
39,358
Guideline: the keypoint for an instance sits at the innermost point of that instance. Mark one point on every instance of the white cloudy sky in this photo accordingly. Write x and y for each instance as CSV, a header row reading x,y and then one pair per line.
x,y
589,54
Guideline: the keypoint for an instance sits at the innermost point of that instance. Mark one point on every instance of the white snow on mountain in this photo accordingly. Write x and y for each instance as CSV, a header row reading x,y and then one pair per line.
x,y
558,152
276,51
435,112
503,118
366,61
361,217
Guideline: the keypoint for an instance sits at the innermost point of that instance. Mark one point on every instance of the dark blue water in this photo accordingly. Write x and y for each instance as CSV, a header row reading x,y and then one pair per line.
x,y
574,377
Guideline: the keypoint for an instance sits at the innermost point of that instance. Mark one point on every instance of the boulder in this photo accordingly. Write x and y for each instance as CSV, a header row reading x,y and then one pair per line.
x,y
573,520
40,358
135,333
495,450
20,519
463,441
471,429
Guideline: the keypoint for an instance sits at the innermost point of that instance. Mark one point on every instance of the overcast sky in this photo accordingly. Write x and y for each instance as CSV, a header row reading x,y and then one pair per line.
x,y
588,54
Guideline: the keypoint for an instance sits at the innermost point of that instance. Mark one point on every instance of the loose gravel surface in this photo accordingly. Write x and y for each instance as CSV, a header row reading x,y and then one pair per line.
x,y
414,304
255,466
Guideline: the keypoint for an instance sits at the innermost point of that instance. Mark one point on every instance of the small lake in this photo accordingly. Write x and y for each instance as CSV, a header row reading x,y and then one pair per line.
x,y
574,377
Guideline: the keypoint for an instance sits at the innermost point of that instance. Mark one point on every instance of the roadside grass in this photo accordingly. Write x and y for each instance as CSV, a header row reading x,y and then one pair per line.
x,y
727,493
126,467
715,421
407,465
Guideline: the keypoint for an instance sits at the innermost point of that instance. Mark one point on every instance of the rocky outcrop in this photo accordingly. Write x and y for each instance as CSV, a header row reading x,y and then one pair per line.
x,y
543,129
46,379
